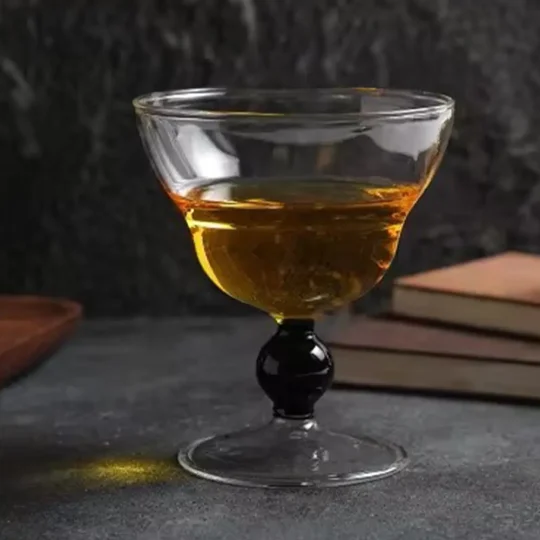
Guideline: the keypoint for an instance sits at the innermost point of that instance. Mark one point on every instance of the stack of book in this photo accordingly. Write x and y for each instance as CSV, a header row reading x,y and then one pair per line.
x,y
470,328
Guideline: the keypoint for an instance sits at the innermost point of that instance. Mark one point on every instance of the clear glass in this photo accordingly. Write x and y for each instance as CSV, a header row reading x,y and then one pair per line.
x,y
295,200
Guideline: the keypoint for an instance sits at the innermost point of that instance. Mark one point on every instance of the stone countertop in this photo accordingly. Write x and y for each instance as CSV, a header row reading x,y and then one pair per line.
x,y
87,445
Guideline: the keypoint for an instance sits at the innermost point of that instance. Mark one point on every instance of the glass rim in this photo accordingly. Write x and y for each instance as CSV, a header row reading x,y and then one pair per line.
x,y
186,101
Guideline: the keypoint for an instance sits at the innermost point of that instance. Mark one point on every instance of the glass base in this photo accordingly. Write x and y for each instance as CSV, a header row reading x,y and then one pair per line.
x,y
294,453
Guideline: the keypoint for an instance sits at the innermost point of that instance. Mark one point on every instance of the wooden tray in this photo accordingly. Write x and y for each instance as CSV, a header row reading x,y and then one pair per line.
x,y
31,328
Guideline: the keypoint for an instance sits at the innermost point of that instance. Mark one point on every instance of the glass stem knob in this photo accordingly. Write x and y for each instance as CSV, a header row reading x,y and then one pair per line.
x,y
295,368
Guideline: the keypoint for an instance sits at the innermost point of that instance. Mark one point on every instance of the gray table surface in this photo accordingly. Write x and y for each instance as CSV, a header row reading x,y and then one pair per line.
x,y
87,445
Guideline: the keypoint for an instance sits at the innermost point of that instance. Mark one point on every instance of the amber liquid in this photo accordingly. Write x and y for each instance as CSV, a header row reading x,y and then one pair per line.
x,y
297,248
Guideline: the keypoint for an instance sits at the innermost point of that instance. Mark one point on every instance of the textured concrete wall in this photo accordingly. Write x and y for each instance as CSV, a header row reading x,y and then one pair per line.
x,y
80,212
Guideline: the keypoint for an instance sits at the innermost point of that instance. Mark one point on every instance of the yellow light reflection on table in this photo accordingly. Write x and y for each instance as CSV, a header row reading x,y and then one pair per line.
x,y
108,472
126,471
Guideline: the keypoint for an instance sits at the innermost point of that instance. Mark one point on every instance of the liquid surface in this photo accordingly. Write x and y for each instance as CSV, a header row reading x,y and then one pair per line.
x,y
296,248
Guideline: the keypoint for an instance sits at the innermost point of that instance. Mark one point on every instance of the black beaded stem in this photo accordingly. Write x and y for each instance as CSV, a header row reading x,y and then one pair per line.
x,y
295,369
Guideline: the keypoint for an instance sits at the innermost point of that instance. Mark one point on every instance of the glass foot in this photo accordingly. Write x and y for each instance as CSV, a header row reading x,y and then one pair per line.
x,y
294,453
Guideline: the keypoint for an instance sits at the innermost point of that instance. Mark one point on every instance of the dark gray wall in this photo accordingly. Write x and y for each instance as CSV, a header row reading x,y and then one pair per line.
x,y
80,212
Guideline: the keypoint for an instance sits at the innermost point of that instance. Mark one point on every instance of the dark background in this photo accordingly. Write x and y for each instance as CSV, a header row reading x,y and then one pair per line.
x,y
81,214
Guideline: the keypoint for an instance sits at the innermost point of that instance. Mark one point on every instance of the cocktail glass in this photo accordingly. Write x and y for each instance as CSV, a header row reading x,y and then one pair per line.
x,y
295,200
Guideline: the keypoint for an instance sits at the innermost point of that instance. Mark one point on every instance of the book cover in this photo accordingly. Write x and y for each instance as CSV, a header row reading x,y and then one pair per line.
x,y
498,293
392,353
